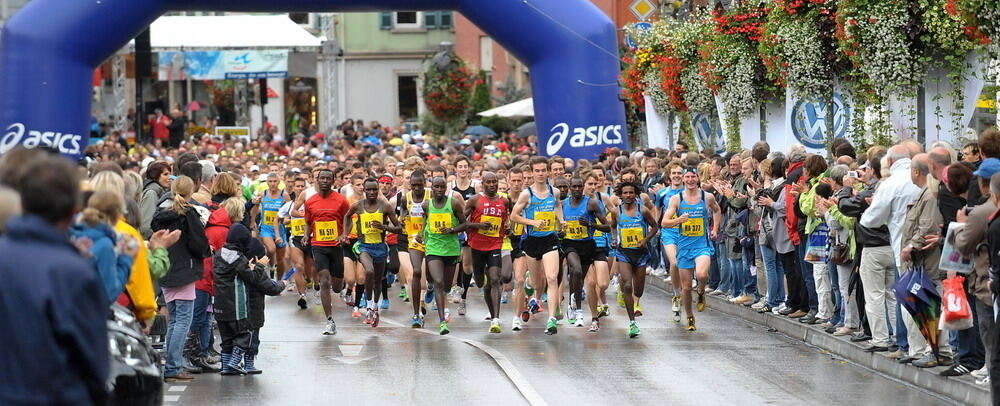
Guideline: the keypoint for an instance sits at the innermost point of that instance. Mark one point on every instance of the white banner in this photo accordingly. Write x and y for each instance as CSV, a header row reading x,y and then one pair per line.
x,y
940,111
707,131
656,126
776,127
749,125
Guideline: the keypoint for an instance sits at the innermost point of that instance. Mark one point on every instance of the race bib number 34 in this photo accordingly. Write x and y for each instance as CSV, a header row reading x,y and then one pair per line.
x,y
575,230
494,223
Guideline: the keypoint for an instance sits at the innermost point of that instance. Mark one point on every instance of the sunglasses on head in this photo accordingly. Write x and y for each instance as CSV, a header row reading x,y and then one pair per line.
x,y
690,170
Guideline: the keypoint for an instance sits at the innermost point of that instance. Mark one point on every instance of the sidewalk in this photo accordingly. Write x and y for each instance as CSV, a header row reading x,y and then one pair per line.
x,y
962,390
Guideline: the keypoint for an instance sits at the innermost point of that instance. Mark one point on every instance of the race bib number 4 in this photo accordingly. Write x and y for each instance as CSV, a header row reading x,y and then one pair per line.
x,y
326,230
575,230
494,223
439,221
631,237
549,221
694,227
298,227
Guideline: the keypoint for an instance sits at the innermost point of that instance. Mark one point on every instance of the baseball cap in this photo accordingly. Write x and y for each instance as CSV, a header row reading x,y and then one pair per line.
x,y
254,168
987,168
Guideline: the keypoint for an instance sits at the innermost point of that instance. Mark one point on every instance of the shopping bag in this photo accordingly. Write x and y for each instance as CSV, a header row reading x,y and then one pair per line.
x,y
957,315
818,246
951,259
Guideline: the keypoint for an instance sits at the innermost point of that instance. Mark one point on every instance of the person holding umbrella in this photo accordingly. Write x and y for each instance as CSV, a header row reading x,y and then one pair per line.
x,y
922,219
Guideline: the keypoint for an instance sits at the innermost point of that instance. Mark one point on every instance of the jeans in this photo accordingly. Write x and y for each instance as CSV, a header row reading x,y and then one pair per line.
x,y
201,322
808,279
971,351
899,332
739,276
177,329
713,271
749,278
838,301
725,275
775,276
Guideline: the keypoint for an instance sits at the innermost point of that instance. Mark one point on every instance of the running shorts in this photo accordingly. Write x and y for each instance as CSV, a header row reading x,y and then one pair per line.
x,y
636,257
448,260
378,251
668,236
686,257
537,247
349,251
601,254
330,259
584,248
268,232
483,260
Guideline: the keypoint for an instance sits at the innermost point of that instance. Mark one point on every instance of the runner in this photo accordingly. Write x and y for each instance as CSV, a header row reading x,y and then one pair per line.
x,y
466,187
441,228
324,213
354,273
668,236
371,248
488,214
269,230
298,255
541,214
520,288
635,227
597,281
583,215
690,211
413,215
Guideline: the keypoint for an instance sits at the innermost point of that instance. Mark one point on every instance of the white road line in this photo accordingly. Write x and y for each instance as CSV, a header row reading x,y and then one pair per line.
x,y
508,368
171,398
177,388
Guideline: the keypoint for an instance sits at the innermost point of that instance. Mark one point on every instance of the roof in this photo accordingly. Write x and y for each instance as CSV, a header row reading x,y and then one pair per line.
x,y
191,33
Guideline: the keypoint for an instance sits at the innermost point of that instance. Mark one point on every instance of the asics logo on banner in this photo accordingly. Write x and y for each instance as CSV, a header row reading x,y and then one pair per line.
x,y
582,137
17,135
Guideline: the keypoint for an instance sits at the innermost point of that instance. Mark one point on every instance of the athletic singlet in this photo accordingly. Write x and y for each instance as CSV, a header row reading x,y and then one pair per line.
x,y
269,208
370,234
693,232
297,224
631,229
600,237
509,226
541,209
438,243
664,202
572,215
493,213
466,193
517,230
414,221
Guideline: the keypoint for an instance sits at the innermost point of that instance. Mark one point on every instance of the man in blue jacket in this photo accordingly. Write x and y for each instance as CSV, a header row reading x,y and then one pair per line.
x,y
52,308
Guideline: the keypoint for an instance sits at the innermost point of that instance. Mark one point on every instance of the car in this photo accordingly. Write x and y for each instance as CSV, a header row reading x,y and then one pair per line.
x,y
135,376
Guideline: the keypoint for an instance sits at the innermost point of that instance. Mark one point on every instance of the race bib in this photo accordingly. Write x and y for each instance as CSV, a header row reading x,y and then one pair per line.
x,y
518,229
270,217
414,225
439,221
549,217
298,227
575,230
693,227
326,230
494,223
372,234
631,237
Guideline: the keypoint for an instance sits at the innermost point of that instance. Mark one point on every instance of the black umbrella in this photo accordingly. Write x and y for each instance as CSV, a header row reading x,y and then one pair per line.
x,y
526,130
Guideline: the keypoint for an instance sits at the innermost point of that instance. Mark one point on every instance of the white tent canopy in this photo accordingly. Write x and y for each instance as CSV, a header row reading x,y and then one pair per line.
x,y
192,33
520,108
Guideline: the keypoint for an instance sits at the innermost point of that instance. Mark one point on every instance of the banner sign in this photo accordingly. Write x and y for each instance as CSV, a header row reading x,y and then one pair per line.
x,y
749,125
707,132
805,120
943,120
217,65
656,126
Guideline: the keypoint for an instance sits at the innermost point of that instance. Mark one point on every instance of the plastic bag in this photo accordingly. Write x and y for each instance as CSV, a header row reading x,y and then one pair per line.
x,y
951,259
817,248
956,314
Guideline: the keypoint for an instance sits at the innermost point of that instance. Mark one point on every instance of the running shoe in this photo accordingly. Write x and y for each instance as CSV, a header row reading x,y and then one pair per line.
x,y
356,313
676,304
429,296
516,324
447,315
455,294
528,290
602,311
375,319
595,326
461,308
621,299
572,315
504,298
637,309
691,326
525,316
363,303
495,326
403,295
385,304
533,306
633,330
331,328
443,328
701,302
550,327
369,316
390,278
302,301
677,317
545,297
417,321
579,318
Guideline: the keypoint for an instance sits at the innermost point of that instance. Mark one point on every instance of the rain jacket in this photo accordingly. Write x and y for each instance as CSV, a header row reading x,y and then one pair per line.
x,y
152,191
139,289
240,290
971,242
188,254
216,231
113,269
922,219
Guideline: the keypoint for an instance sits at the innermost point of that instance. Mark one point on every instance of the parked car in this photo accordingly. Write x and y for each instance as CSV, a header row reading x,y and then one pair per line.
x,y
136,377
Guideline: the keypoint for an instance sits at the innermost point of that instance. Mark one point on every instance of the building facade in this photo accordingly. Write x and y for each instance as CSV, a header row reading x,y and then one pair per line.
x,y
381,60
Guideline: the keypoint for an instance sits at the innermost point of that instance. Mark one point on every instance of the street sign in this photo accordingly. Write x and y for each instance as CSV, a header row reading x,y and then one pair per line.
x,y
643,9
641,27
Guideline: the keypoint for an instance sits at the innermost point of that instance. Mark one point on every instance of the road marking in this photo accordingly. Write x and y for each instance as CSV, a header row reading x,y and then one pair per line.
x,y
513,374
171,398
351,350
177,388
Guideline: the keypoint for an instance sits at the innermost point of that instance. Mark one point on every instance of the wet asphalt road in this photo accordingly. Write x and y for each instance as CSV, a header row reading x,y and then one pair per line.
x,y
727,361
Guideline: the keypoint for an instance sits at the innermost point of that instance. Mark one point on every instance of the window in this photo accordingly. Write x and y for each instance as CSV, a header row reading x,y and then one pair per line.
x,y
407,19
406,86
299,18
486,53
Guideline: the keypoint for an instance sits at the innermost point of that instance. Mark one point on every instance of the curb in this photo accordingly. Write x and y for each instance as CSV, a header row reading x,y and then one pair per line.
x,y
962,389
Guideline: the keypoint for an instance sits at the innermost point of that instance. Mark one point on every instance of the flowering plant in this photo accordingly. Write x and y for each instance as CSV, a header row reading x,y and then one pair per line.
x,y
981,17
447,92
798,48
876,37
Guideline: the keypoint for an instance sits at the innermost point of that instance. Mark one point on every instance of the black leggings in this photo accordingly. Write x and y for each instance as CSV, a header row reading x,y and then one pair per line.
x,y
798,298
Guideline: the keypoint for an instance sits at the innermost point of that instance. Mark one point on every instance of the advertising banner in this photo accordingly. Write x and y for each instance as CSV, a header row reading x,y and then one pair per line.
x,y
945,118
805,121
749,125
656,126
218,65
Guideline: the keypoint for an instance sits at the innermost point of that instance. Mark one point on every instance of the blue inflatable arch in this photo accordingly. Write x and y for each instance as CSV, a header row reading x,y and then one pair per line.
x,y
49,49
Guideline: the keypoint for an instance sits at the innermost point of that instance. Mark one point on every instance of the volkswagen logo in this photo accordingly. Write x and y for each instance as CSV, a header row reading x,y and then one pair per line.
x,y
809,121
707,134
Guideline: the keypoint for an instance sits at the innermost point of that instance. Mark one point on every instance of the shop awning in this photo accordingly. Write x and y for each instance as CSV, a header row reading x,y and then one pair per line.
x,y
245,32
520,108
